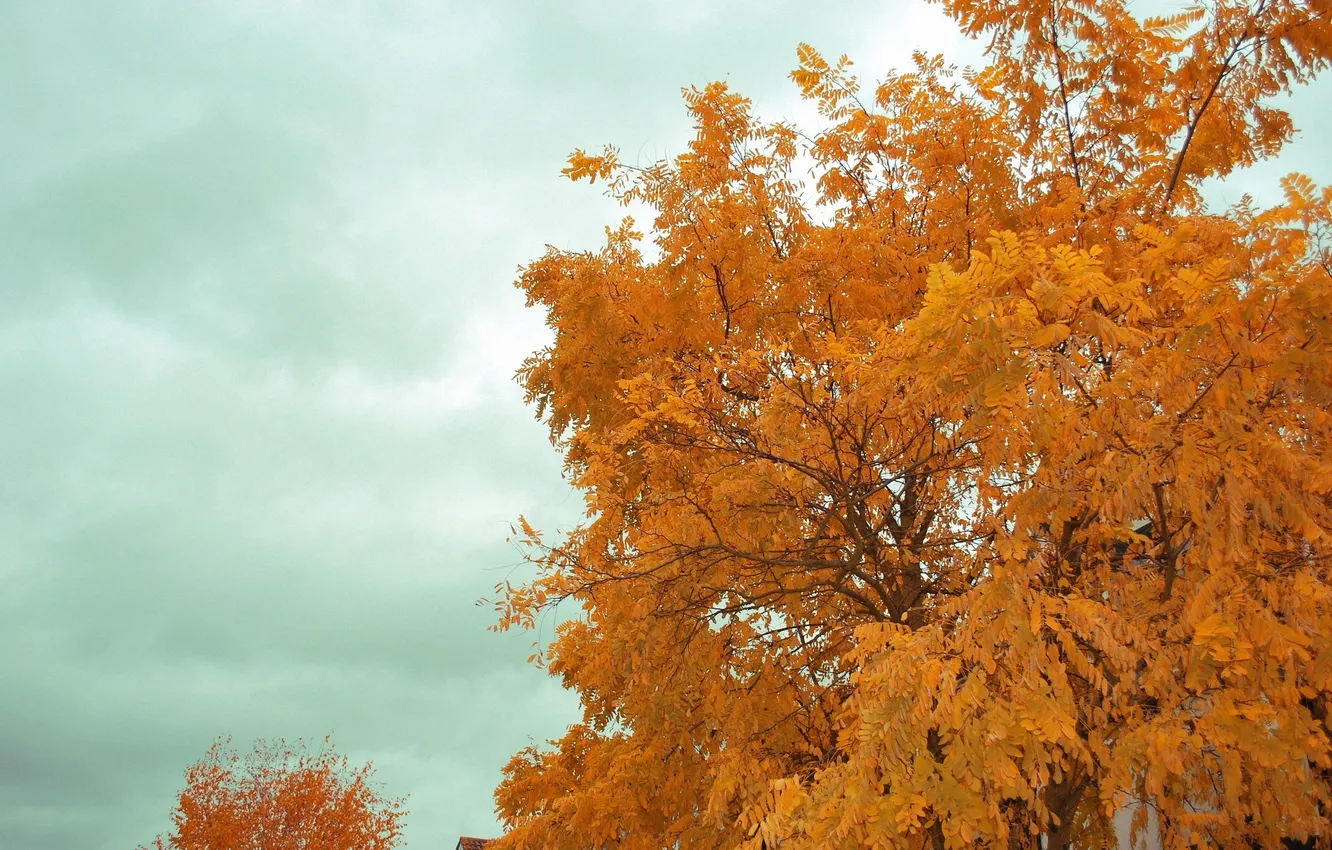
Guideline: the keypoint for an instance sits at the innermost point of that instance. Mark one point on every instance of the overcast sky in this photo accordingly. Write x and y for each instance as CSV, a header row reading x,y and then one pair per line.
x,y
259,438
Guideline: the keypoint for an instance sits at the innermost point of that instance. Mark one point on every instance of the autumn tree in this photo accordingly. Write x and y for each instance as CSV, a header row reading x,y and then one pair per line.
x,y
281,797
955,475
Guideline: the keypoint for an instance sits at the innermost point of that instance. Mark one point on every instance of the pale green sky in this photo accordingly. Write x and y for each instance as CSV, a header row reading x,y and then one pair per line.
x,y
259,438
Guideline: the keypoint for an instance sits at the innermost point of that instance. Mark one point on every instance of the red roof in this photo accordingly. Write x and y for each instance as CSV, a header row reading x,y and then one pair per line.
x,y
465,843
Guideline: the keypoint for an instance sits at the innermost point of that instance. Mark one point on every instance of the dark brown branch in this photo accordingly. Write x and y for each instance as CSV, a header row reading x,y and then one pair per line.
x,y
1226,68
1063,95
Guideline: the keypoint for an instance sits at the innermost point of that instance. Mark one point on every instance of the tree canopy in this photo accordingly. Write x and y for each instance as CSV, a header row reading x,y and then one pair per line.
x,y
281,797
955,476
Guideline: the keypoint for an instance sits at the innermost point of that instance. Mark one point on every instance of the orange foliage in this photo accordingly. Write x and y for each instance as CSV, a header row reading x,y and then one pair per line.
x,y
281,797
968,492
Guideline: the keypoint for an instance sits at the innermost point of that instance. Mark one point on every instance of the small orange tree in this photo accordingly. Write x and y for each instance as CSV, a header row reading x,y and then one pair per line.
x,y
976,499
281,797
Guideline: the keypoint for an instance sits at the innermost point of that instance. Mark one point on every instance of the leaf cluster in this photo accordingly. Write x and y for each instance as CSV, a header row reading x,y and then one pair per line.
x,y
281,796
954,476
